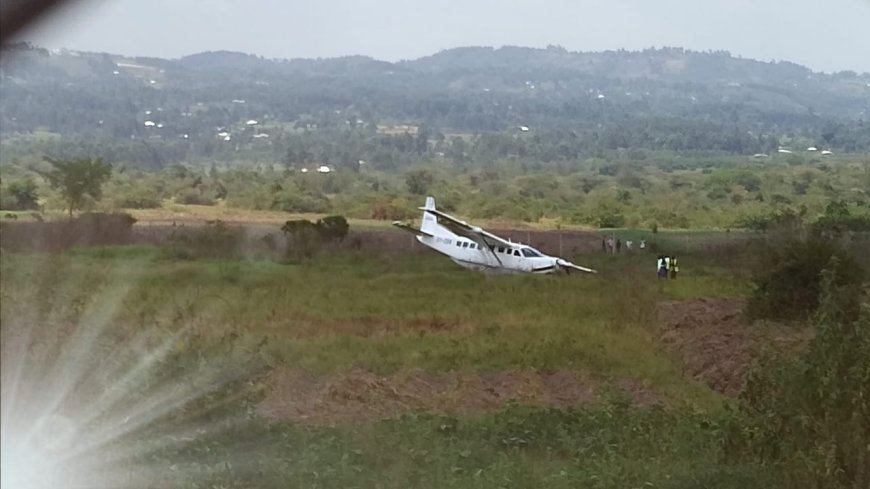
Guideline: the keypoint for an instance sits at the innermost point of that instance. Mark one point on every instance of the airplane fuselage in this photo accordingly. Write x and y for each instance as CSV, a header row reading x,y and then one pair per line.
x,y
503,259
477,249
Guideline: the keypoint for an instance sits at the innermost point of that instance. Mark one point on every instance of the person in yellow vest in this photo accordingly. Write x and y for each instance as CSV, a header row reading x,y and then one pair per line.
x,y
674,267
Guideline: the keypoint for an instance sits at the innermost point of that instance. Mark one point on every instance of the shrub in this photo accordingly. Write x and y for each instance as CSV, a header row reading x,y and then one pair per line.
x,y
332,228
21,196
390,211
837,219
192,196
809,416
303,203
303,239
788,279
214,240
138,199
611,219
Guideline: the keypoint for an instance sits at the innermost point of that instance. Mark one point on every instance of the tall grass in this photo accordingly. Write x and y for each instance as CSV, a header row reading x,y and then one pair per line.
x,y
391,313
386,313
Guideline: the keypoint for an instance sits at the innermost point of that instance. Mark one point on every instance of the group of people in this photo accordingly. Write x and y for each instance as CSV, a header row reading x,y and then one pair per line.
x,y
667,267
611,245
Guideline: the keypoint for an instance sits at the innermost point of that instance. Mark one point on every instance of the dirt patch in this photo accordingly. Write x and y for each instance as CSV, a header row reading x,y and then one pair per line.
x,y
716,343
361,395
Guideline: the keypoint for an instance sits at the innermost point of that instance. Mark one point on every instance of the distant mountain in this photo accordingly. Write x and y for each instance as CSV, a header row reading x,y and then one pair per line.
x,y
668,64
665,95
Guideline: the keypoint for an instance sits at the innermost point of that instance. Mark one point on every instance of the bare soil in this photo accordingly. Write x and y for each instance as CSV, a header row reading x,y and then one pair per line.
x,y
717,344
359,395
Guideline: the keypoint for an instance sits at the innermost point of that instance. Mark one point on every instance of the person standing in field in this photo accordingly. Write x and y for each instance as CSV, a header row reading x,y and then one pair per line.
x,y
673,267
661,267
628,244
643,244
618,245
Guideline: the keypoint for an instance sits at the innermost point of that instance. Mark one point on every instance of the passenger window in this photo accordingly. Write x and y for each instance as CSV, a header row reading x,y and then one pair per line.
x,y
516,252
500,249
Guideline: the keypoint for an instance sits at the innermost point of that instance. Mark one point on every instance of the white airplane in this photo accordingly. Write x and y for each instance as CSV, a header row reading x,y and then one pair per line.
x,y
472,247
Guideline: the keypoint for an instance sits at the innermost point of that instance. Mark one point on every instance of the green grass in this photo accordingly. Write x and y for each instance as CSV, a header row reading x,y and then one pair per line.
x,y
607,447
391,314
388,314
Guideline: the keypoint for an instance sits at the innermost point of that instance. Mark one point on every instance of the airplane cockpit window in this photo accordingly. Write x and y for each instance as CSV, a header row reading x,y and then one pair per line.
x,y
531,253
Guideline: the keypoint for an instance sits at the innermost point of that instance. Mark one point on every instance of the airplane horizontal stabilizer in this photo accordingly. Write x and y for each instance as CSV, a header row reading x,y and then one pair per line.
x,y
410,229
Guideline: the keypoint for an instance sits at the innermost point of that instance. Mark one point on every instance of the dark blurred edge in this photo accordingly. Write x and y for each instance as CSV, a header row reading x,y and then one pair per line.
x,y
15,15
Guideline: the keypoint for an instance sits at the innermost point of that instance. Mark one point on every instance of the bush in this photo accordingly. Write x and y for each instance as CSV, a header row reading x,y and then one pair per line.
x,y
809,416
302,203
303,239
837,220
139,199
332,228
611,220
388,210
214,240
20,196
192,196
788,279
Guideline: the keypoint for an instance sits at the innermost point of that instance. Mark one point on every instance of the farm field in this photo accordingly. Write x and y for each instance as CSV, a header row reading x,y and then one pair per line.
x,y
366,369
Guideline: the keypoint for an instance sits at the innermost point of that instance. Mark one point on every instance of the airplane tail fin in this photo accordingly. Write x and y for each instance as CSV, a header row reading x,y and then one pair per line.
x,y
430,204
429,224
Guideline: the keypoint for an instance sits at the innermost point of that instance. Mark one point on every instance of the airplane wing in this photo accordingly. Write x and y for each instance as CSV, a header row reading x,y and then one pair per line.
x,y
484,238
410,229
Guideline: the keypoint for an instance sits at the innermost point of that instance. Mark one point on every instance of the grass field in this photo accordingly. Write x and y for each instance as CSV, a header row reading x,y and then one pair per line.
x,y
382,329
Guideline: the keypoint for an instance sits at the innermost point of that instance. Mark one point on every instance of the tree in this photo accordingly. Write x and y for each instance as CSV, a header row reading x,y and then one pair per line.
x,y
788,279
77,179
24,194
808,414
418,181
332,228
303,238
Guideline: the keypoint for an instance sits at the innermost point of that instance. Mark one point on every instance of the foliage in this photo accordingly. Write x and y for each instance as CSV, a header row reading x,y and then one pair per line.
x,y
213,240
837,219
21,196
809,416
788,278
332,228
138,198
419,181
617,100
193,196
303,239
77,179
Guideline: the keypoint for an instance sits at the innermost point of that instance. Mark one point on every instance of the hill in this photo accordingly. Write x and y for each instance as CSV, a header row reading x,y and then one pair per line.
x,y
671,99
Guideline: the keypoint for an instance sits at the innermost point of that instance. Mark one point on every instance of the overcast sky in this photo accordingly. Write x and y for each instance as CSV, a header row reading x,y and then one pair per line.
x,y
827,35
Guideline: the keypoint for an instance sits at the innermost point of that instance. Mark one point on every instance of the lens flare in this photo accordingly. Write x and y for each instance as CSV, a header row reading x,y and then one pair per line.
x,y
90,400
